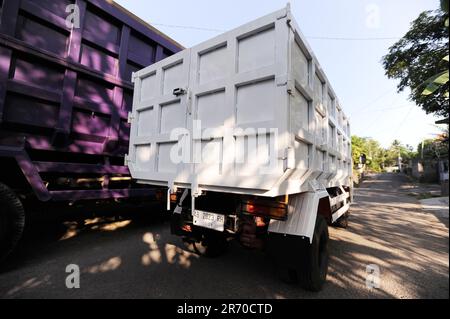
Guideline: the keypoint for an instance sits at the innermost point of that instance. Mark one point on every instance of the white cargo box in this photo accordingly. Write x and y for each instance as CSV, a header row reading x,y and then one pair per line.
x,y
249,112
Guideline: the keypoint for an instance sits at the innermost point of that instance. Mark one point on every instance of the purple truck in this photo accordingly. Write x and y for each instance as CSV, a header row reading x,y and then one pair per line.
x,y
65,94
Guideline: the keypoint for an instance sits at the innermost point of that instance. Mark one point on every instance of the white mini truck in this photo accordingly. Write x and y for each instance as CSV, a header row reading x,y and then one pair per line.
x,y
247,135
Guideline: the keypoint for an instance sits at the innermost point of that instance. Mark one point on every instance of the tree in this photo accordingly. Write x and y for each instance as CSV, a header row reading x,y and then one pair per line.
x,y
419,59
442,78
398,149
377,157
371,148
436,148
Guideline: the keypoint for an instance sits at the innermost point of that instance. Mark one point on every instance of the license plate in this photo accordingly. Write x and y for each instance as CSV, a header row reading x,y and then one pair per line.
x,y
209,220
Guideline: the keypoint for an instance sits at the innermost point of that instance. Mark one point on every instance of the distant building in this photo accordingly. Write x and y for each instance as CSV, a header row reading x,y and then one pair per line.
x,y
431,171
425,170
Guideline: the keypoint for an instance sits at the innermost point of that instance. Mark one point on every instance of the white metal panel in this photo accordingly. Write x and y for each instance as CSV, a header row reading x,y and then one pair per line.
x,y
318,91
170,117
143,156
212,64
234,87
149,87
156,112
165,164
263,83
301,216
331,106
256,102
144,120
302,67
263,43
212,109
173,77
312,83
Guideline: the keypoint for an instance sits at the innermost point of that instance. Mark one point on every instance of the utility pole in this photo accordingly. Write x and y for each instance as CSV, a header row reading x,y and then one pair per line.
x,y
421,151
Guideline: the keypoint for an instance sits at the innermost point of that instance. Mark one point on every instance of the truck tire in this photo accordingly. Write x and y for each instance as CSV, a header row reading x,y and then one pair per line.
x,y
12,221
211,245
342,221
313,268
299,261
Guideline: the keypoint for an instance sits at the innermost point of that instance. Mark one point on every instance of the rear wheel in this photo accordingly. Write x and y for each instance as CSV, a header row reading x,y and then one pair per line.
x,y
342,221
303,262
312,272
12,221
211,245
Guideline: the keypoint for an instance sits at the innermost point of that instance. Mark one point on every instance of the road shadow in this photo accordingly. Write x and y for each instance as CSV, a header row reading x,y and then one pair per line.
x,y
48,231
138,260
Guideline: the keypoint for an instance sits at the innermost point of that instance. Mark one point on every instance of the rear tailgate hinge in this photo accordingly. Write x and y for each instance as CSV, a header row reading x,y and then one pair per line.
x,y
130,117
133,77
171,188
282,80
127,160
290,87
289,159
290,24
286,13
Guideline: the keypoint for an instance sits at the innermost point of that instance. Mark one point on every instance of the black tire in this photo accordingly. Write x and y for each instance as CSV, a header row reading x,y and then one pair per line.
x,y
308,267
12,221
211,245
313,268
342,221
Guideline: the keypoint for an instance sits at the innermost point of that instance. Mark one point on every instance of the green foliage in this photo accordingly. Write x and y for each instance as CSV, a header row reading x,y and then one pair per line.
x,y
436,148
398,149
378,157
444,7
371,149
435,82
417,60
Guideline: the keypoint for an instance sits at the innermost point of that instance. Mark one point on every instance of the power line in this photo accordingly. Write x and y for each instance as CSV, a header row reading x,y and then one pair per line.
x,y
187,27
403,121
384,109
380,115
378,98
309,37
393,108
354,38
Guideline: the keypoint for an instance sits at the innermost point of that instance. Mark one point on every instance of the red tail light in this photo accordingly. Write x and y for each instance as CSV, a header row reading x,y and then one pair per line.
x,y
250,208
275,210
187,228
173,197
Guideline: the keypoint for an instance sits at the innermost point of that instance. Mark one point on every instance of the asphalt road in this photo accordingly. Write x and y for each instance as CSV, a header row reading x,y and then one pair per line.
x,y
140,259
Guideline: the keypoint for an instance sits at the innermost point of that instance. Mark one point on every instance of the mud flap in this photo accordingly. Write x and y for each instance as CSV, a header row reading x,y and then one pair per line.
x,y
284,249
302,215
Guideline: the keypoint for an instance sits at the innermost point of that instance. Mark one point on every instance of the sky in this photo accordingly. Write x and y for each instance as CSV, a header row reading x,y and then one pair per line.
x,y
349,38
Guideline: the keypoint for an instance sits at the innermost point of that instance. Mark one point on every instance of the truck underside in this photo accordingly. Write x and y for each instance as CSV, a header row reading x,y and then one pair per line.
x,y
37,183
221,217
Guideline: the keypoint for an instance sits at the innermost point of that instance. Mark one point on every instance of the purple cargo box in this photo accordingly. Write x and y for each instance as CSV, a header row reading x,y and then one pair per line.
x,y
65,94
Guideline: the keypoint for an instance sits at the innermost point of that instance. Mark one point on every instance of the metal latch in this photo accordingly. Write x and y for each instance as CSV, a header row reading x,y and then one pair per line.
x,y
179,91
126,160
130,117
289,159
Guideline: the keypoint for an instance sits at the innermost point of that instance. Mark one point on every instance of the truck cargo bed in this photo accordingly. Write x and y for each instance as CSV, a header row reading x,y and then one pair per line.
x,y
65,93
249,112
